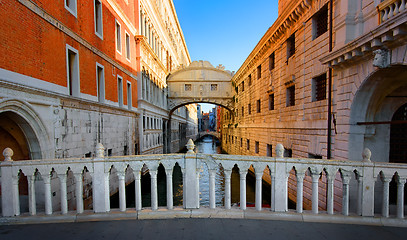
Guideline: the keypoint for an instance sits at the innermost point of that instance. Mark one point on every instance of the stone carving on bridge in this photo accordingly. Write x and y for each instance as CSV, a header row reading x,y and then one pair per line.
x,y
381,58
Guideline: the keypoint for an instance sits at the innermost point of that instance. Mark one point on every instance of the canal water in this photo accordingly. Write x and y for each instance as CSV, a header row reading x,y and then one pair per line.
x,y
207,145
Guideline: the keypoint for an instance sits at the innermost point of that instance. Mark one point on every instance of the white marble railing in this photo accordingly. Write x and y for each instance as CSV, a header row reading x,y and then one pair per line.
x,y
364,173
390,8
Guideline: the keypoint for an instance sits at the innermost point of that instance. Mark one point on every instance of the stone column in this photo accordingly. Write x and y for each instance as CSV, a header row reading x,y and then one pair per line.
x,y
32,205
79,192
243,189
259,178
47,193
8,190
212,200
154,195
64,200
137,189
315,178
228,197
360,194
385,201
122,190
100,182
401,181
191,178
368,181
170,200
16,195
300,185
345,193
280,192
330,197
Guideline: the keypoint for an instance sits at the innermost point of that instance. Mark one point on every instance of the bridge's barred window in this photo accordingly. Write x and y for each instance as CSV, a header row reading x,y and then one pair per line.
x,y
214,87
290,101
271,61
249,109
248,144
319,88
259,72
188,87
320,22
269,150
290,46
258,106
271,101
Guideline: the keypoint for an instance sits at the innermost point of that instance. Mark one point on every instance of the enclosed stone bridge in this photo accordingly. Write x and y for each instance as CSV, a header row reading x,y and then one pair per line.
x,y
200,82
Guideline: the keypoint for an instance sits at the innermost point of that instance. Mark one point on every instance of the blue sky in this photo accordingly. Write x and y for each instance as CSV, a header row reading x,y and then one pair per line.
x,y
224,31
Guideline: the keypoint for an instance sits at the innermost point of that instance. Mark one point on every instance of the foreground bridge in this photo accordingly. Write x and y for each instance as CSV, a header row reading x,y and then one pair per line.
x,y
365,174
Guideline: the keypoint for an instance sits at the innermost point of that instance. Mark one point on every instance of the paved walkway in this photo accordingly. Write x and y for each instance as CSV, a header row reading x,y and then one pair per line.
x,y
197,229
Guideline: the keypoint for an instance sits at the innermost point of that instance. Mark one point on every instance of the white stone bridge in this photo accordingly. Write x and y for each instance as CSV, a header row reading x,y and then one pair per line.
x,y
363,178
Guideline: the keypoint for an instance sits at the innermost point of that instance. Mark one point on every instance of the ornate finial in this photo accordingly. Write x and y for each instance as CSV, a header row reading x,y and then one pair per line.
x,y
8,153
190,146
100,150
366,155
280,150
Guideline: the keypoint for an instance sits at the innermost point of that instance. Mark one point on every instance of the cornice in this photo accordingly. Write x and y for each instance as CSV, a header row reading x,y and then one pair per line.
x,y
287,19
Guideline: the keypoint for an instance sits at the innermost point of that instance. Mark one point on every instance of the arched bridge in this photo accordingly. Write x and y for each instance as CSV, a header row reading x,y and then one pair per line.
x,y
200,82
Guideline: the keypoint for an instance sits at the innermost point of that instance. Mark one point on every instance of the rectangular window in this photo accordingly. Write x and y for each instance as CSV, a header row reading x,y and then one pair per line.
x,y
129,100
271,61
188,87
250,79
258,106
259,72
314,156
319,88
127,46
120,90
249,109
71,6
241,142
288,152
72,68
320,22
290,101
118,37
256,147
98,18
214,87
242,111
243,86
271,101
100,81
269,150
248,144
290,46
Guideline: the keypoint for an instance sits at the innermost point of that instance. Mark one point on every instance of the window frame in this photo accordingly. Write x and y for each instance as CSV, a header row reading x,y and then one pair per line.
x,y
72,9
316,85
120,90
322,12
100,83
271,101
290,96
127,45
118,36
74,84
291,46
129,95
98,22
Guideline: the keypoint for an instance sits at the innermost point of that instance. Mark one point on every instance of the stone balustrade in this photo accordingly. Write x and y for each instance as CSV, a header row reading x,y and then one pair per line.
x,y
390,8
365,175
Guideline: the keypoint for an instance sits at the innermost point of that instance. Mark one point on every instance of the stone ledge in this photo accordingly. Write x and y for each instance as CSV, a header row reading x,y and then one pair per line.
x,y
204,212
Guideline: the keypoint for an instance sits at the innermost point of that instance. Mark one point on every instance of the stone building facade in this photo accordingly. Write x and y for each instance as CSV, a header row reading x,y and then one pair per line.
x,y
161,49
282,89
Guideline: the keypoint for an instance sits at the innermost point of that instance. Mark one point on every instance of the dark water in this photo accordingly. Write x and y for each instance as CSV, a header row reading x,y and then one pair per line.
x,y
206,145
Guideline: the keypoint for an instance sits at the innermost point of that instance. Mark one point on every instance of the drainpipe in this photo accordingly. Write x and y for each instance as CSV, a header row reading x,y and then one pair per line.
x,y
330,82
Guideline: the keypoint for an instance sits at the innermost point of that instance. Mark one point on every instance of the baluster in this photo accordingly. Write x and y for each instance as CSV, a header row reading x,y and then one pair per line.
x,y
183,188
47,193
385,203
64,200
137,187
107,191
345,194
400,197
396,8
79,192
330,197
198,199
315,177
16,196
212,201
386,10
122,190
243,189
228,202
170,202
259,176
300,185
391,12
402,5
154,196
273,190
32,205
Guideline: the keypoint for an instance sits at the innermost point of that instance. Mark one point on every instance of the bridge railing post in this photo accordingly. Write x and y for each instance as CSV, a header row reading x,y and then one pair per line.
x,y
191,201
100,201
280,193
9,191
